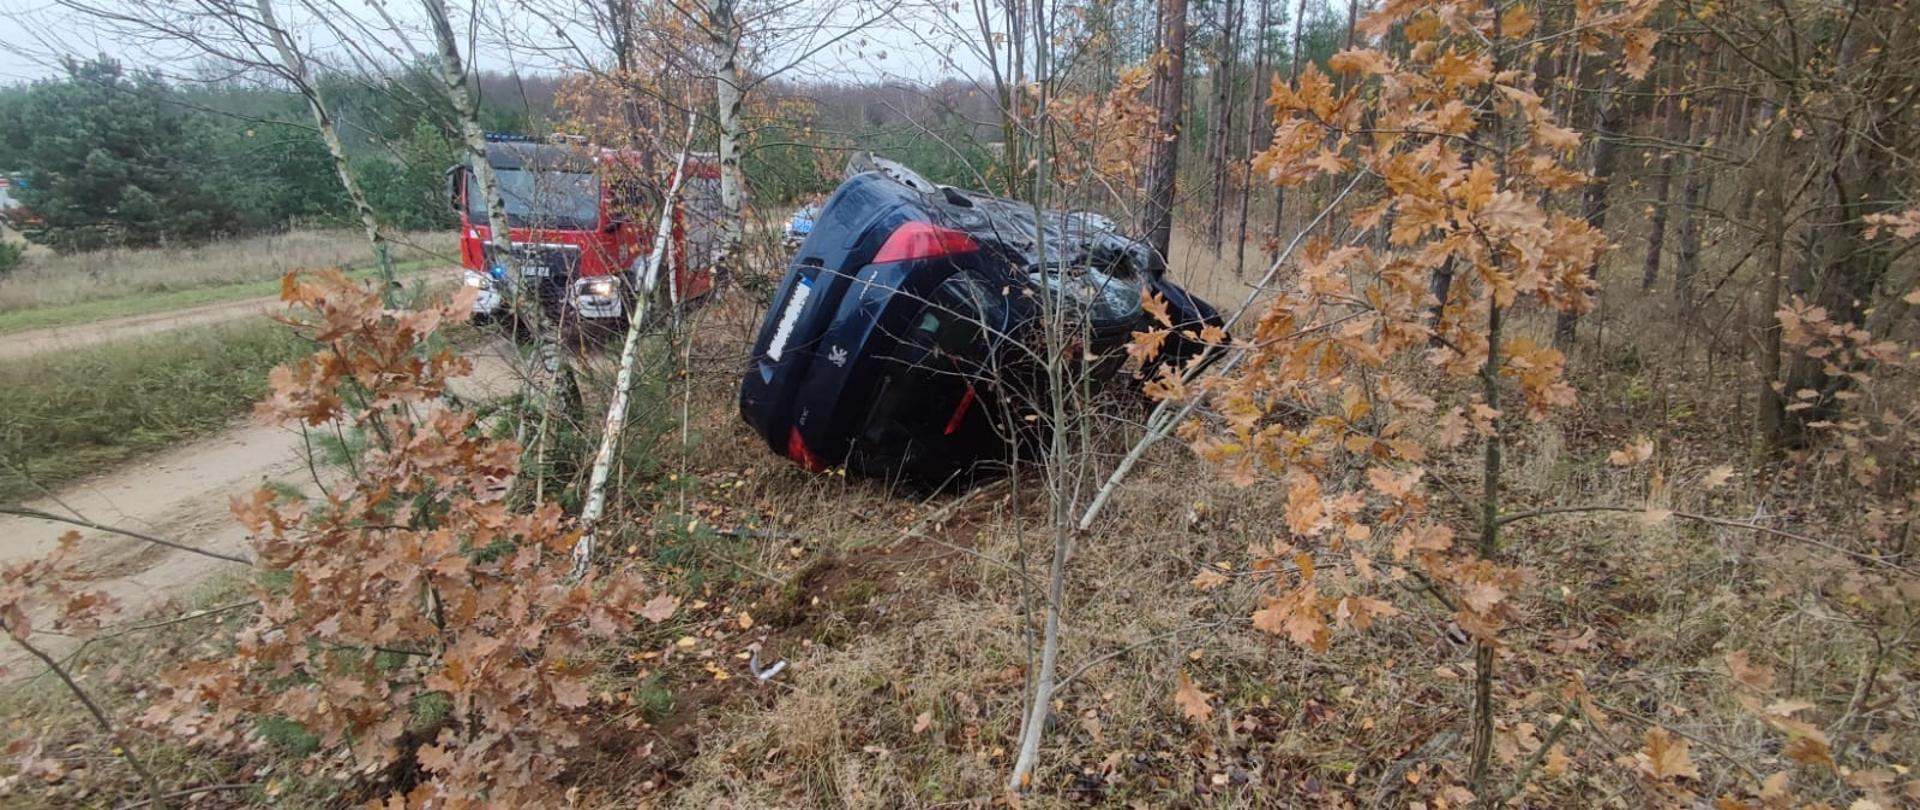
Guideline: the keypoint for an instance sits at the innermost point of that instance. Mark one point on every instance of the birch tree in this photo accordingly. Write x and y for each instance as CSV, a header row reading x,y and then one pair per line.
x,y
723,38
460,95
552,380
611,429
251,39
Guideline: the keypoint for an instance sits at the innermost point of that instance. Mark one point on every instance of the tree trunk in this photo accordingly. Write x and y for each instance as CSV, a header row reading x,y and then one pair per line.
x,y
453,77
1693,192
296,68
1492,468
1255,127
1862,170
1293,81
1157,216
552,377
1686,255
1657,225
1679,120
595,503
1010,107
1593,200
1773,400
1226,54
728,97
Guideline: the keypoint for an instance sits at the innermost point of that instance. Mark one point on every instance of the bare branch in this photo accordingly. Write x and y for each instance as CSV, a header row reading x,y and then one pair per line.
x,y
76,520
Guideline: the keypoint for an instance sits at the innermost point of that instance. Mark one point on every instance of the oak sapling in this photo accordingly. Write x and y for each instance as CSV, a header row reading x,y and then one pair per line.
x,y
1328,398
412,579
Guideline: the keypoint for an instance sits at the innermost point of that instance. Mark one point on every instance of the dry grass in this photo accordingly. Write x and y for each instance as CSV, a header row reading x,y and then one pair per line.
x,y
49,279
40,716
1644,615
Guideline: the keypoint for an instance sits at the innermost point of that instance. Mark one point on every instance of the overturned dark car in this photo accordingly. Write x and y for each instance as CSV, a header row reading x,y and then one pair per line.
x,y
905,341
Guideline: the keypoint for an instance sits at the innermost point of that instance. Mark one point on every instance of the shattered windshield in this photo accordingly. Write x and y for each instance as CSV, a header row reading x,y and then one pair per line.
x,y
1103,297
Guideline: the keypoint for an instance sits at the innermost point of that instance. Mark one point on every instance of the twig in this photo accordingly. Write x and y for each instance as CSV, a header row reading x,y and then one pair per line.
x,y
198,614
191,791
1710,745
1160,423
76,520
1394,779
745,533
1061,684
1717,521
775,579
1539,754
306,444
21,470
1432,588
918,532
99,715
947,509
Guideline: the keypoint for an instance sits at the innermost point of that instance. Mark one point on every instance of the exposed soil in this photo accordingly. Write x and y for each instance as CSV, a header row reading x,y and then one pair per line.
x,y
823,605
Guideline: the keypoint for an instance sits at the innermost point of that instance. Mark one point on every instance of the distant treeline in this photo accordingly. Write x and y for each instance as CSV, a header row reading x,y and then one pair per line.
x,y
114,156
119,157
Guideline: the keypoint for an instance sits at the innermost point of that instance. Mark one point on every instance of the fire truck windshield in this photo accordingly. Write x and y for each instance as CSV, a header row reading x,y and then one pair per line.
x,y
564,199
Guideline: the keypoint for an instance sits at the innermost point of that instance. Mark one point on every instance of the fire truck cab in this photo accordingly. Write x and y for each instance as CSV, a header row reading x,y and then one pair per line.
x,y
582,223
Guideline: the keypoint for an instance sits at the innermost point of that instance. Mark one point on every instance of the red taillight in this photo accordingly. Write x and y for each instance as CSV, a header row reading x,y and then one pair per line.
x,y
922,240
960,411
797,450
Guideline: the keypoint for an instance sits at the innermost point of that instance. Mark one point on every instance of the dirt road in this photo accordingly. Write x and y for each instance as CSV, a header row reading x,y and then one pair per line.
x,y
34,341
182,495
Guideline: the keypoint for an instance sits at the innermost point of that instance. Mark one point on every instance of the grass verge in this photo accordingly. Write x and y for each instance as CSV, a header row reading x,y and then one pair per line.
x,y
152,302
66,414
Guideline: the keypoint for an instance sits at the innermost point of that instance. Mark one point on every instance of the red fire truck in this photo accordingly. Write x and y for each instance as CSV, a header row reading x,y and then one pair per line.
x,y
582,224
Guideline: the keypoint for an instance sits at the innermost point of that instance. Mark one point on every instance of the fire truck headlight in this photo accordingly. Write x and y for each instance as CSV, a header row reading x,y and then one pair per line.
x,y
478,281
601,287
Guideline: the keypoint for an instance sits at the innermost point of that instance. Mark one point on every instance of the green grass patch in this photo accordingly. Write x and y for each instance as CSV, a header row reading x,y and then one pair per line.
x,y
101,309
65,414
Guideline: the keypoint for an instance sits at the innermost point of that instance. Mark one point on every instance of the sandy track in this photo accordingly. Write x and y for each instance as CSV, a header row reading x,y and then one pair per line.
x,y
181,494
34,341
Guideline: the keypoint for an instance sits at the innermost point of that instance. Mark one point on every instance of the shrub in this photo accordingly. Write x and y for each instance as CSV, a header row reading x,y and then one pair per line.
x,y
437,631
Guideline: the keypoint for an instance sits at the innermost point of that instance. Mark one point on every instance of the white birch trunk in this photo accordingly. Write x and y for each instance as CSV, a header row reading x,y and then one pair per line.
x,y
729,96
596,503
554,371
296,67
453,74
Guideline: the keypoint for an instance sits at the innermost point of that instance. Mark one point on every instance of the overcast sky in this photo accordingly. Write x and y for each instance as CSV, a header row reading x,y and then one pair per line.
x,y
915,41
